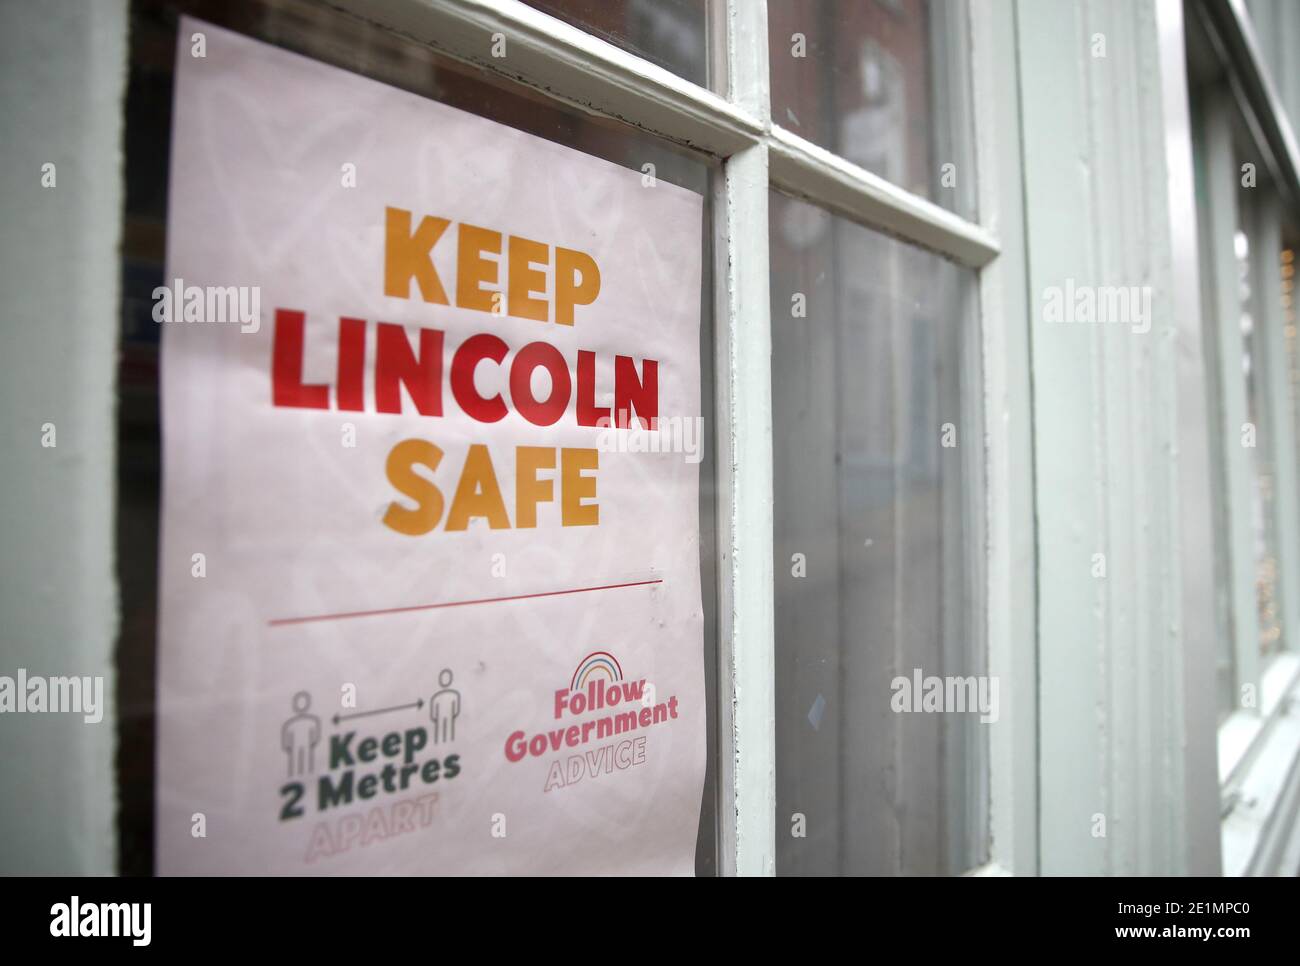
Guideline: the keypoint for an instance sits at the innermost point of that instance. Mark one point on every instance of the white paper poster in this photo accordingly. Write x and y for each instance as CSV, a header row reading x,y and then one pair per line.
x,y
422,610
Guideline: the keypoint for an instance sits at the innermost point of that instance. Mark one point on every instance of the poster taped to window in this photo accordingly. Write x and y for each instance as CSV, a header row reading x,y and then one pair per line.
x,y
430,594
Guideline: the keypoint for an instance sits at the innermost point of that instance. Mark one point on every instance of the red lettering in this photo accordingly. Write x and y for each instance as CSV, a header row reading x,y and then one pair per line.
x,y
396,366
645,397
287,388
351,392
589,414
521,383
471,352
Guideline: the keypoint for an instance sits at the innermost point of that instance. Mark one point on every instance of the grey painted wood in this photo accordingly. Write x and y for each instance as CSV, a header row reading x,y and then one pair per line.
x,y
1105,436
63,72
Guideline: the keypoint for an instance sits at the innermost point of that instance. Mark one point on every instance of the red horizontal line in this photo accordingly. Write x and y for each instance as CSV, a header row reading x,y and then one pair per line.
x,y
281,621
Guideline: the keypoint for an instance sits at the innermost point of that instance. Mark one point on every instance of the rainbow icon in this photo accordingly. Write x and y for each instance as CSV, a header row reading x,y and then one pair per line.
x,y
596,663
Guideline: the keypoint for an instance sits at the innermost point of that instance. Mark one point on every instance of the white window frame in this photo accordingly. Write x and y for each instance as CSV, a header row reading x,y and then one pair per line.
x,y
1258,747
581,70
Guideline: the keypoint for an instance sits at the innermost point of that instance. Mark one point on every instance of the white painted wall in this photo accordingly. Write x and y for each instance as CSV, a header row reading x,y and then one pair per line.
x,y
62,71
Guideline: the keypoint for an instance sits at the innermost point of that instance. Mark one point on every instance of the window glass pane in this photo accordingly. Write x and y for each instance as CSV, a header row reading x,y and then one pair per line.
x,y
877,446
675,34
1225,657
346,42
885,83
1263,517
1289,330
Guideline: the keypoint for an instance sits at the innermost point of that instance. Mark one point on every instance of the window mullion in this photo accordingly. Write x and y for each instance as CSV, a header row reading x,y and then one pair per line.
x,y
747,724
1010,610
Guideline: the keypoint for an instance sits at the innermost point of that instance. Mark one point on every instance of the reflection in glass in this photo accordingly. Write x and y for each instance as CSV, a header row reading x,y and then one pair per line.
x,y
1263,509
1289,331
877,447
1216,390
674,34
885,83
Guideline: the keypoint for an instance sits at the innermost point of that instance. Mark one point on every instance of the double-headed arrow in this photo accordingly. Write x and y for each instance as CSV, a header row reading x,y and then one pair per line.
x,y
419,703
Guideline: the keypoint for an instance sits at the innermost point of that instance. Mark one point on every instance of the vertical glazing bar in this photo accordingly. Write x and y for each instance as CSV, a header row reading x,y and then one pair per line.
x,y
1011,606
747,758
1196,546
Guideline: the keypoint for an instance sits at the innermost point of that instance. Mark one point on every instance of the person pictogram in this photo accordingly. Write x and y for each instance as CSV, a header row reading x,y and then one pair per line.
x,y
300,735
444,707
